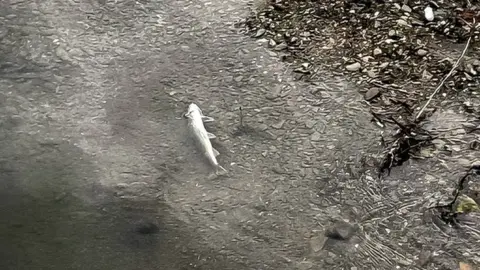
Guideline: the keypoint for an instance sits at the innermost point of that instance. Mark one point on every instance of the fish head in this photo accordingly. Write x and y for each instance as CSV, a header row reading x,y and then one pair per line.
x,y
193,109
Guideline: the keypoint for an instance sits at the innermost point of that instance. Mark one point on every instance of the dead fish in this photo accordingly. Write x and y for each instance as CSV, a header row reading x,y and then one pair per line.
x,y
202,136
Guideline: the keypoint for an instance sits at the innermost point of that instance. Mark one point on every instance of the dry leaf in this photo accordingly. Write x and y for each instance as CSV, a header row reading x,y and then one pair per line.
x,y
465,266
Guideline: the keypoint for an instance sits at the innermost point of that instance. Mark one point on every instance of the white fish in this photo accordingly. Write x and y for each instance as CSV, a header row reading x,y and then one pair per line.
x,y
429,14
195,123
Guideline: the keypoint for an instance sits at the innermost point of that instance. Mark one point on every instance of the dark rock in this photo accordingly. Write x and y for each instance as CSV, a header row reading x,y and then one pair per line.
x,y
474,145
341,230
146,227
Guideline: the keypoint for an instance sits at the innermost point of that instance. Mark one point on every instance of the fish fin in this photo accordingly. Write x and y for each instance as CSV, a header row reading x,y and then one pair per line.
x,y
221,170
211,136
215,152
207,119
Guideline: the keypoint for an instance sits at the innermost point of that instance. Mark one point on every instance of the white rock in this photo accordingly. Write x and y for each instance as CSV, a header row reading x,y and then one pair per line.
x,y
422,52
353,67
377,51
429,14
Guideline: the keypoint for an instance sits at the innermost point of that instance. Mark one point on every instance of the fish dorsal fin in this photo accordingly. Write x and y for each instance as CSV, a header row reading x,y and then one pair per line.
x,y
215,152
207,119
211,136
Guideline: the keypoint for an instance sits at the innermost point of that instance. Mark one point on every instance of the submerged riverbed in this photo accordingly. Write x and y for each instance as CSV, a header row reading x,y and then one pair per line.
x,y
97,170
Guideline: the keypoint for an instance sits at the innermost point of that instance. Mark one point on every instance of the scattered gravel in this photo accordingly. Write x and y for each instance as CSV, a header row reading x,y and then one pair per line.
x,y
395,45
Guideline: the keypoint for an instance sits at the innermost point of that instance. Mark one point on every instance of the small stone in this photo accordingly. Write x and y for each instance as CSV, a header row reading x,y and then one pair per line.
x,y
262,127
353,67
76,52
372,93
392,33
341,230
429,14
426,76
367,58
281,46
318,242
316,136
384,65
403,262
279,125
424,258
406,8
310,123
272,43
146,227
474,145
260,32
377,51
439,144
62,54
422,52
371,74
403,23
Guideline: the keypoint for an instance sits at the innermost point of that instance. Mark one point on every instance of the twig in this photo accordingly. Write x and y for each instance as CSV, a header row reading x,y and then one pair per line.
x,y
241,117
444,79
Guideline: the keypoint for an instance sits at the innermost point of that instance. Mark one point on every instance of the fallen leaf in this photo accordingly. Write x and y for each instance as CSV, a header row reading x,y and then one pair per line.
x,y
466,204
464,266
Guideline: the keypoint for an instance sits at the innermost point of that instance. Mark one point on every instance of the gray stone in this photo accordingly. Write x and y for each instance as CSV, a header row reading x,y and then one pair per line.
x,y
260,32
377,51
372,93
422,52
281,46
341,230
403,23
318,242
279,125
316,136
353,67
406,8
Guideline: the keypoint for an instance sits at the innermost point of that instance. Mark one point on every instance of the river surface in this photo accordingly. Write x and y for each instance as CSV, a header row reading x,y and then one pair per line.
x,y
98,172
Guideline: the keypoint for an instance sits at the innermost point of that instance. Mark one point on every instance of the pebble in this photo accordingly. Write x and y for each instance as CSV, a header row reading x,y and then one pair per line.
x,y
406,8
372,93
260,32
281,46
422,52
310,123
353,67
317,243
429,14
377,51
316,136
403,23
341,230
371,74
426,76
279,125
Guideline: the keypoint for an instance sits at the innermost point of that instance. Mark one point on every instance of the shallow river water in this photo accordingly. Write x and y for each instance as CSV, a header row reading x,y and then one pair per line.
x,y
97,170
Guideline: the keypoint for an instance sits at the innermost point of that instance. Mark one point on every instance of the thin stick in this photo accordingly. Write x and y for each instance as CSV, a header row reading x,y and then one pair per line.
x,y
444,79
241,116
